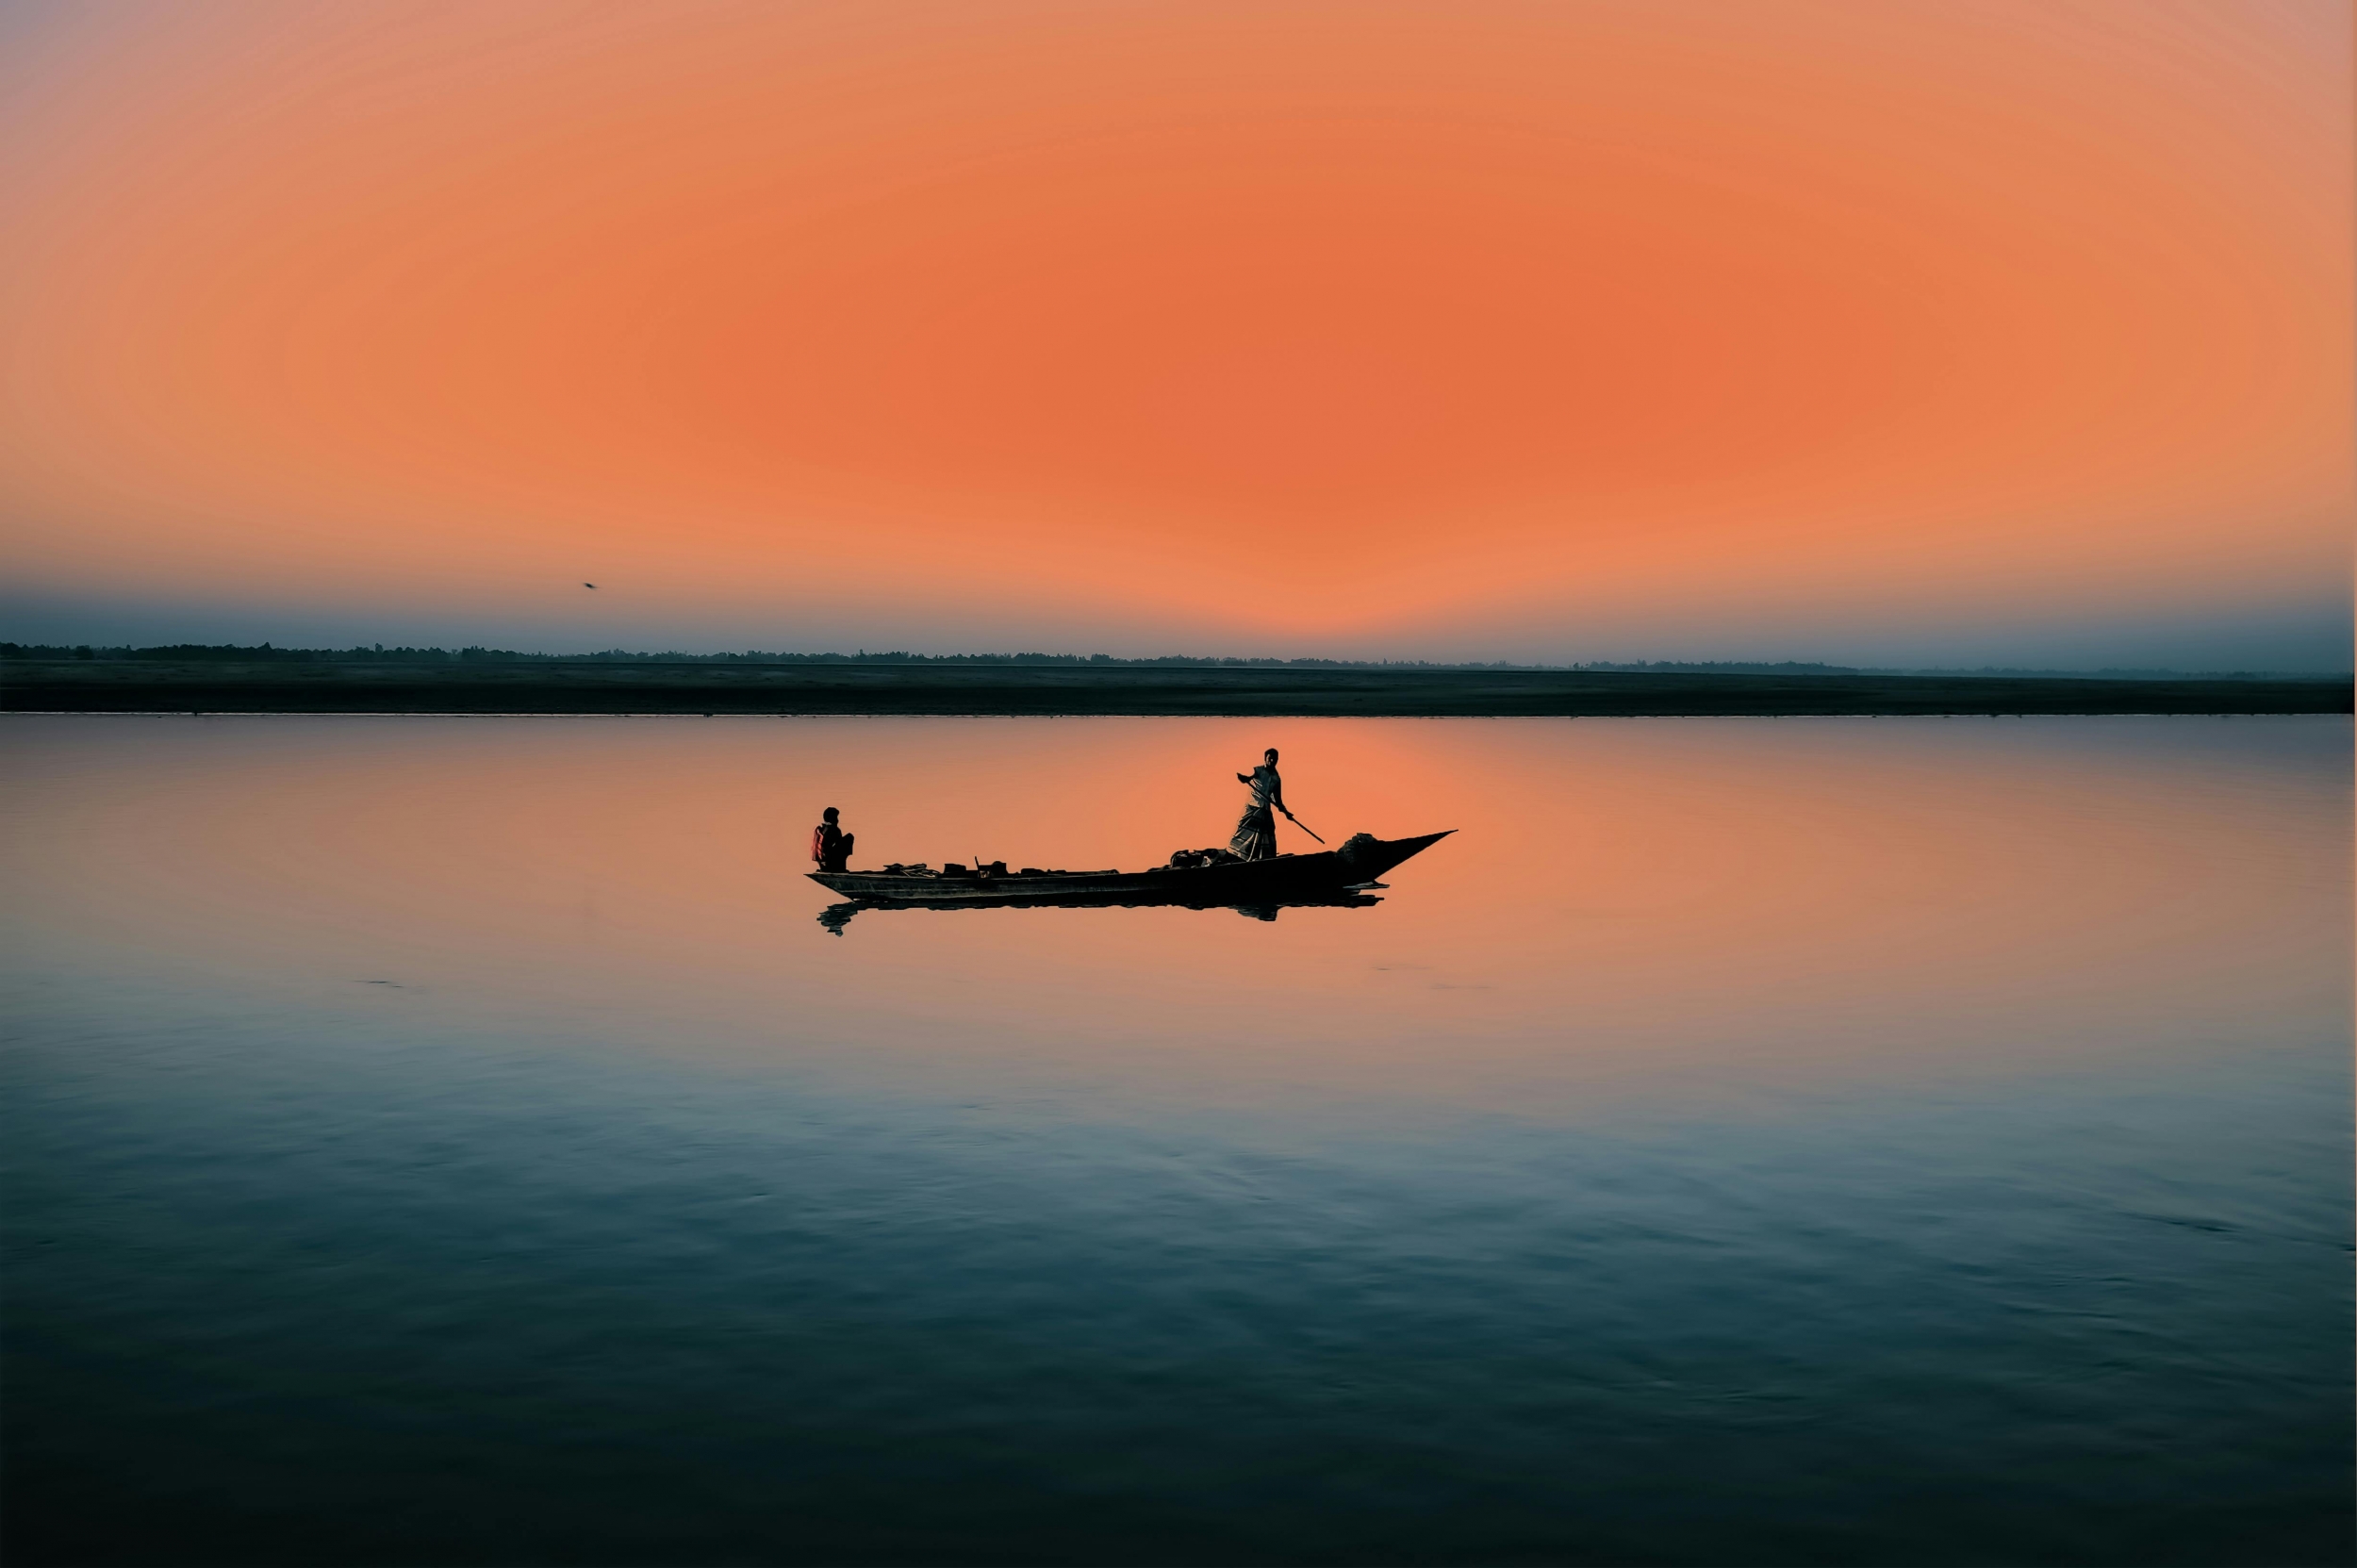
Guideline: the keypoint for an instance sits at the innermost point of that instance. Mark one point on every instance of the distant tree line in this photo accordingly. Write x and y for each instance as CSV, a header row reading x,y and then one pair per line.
x,y
378,653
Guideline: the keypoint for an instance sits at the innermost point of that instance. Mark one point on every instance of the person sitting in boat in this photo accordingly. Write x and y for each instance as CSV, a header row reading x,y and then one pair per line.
x,y
1256,830
829,846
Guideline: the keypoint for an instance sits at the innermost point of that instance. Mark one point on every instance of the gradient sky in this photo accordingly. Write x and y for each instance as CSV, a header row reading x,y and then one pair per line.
x,y
1875,331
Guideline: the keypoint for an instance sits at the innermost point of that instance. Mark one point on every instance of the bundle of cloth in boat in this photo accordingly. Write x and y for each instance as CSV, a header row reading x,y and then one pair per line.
x,y
1188,860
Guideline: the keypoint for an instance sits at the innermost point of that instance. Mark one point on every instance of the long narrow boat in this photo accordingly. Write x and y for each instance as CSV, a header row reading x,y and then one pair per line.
x,y
1288,879
836,916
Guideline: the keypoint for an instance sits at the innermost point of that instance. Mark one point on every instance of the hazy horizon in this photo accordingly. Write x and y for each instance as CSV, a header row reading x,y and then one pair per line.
x,y
2313,642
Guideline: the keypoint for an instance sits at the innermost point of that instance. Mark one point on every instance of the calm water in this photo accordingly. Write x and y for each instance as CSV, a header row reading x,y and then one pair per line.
x,y
459,1140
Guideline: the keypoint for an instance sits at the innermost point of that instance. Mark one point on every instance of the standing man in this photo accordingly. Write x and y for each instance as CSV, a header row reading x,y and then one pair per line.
x,y
1256,830
829,846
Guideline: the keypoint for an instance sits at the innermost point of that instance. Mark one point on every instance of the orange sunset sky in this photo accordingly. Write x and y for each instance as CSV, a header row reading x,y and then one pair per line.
x,y
1977,332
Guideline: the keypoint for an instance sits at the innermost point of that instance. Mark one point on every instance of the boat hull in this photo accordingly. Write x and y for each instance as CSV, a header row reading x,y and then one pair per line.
x,y
1287,878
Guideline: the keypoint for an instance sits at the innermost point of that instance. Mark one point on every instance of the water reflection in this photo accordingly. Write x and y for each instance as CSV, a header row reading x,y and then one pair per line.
x,y
1754,1141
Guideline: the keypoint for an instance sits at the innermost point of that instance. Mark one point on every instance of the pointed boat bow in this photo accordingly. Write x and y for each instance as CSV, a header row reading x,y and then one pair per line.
x,y
1372,860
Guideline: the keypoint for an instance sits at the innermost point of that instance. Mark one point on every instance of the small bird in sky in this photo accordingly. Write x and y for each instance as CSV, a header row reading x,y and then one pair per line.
x,y
589,584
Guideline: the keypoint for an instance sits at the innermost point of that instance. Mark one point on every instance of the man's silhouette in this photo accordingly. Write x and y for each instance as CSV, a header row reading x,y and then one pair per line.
x,y
1256,830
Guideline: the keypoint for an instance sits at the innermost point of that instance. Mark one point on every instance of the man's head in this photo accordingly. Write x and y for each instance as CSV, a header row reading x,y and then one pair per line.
x,y
829,815
1271,754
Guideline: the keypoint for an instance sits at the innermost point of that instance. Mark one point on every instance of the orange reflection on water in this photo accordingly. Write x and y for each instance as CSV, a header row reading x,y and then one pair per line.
x,y
1709,904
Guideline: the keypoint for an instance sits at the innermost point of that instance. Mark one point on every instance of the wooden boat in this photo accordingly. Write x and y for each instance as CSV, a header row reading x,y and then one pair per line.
x,y
1331,876
836,916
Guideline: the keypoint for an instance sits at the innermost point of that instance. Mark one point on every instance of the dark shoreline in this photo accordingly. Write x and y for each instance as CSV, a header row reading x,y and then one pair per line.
x,y
539,687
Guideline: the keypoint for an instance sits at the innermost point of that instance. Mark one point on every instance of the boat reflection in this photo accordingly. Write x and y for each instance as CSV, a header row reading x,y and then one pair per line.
x,y
835,916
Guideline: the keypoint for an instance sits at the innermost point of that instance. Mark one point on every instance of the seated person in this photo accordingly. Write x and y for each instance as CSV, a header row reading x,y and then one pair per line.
x,y
829,846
